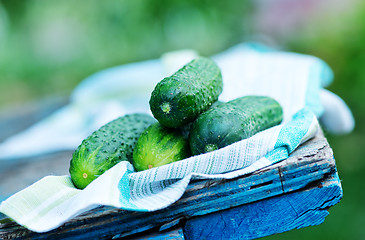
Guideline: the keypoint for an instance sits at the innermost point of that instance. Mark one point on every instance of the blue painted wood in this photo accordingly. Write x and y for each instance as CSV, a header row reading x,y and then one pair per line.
x,y
175,234
270,216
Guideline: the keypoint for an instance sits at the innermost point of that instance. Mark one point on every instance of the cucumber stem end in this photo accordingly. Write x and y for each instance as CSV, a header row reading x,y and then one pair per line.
x,y
210,147
166,107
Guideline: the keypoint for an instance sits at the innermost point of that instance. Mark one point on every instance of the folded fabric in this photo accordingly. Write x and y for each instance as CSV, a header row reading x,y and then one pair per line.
x,y
294,80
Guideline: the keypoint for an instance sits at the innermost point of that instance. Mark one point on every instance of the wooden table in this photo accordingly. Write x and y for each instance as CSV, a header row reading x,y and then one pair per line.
x,y
294,193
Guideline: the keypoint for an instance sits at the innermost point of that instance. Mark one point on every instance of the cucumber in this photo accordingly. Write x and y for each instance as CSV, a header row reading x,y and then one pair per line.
x,y
158,146
233,121
180,98
107,146
186,128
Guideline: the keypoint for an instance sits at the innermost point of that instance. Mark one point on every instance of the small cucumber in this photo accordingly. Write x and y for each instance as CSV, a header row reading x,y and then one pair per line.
x,y
104,148
233,121
180,98
158,146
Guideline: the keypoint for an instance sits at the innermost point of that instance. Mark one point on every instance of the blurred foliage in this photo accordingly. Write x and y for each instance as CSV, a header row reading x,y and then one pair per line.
x,y
340,41
47,47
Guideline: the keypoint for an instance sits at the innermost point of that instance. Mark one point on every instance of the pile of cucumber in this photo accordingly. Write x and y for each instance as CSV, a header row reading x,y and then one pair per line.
x,y
190,121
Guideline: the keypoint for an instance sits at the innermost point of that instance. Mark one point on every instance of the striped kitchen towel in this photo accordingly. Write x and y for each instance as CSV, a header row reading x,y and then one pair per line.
x,y
294,80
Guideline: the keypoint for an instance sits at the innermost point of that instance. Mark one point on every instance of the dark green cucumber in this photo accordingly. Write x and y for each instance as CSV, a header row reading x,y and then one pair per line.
x,y
104,148
180,98
233,121
186,128
159,145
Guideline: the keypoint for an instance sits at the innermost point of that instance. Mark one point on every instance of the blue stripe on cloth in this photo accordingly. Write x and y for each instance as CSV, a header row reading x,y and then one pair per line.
x,y
259,47
277,154
291,135
326,73
320,75
124,190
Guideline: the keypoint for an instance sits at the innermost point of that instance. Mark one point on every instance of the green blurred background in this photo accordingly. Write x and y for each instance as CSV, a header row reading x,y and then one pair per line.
x,y
48,47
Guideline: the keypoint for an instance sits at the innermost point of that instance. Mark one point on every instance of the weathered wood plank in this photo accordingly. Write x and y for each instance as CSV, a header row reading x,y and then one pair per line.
x,y
270,216
174,234
311,162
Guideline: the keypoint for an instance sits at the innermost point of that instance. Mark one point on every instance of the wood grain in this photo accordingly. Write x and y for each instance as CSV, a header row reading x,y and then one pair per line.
x,y
274,215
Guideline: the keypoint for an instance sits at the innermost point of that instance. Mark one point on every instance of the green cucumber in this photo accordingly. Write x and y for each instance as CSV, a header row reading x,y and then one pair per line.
x,y
180,98
186,128
233,121
107,146
158,146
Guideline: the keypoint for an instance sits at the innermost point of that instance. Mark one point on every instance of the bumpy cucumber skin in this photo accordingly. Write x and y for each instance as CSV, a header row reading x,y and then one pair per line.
x,y
104,148
159,145
233,121
180,98
186,128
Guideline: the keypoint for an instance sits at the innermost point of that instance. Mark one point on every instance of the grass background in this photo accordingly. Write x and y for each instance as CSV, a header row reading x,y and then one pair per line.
x,y
48,47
